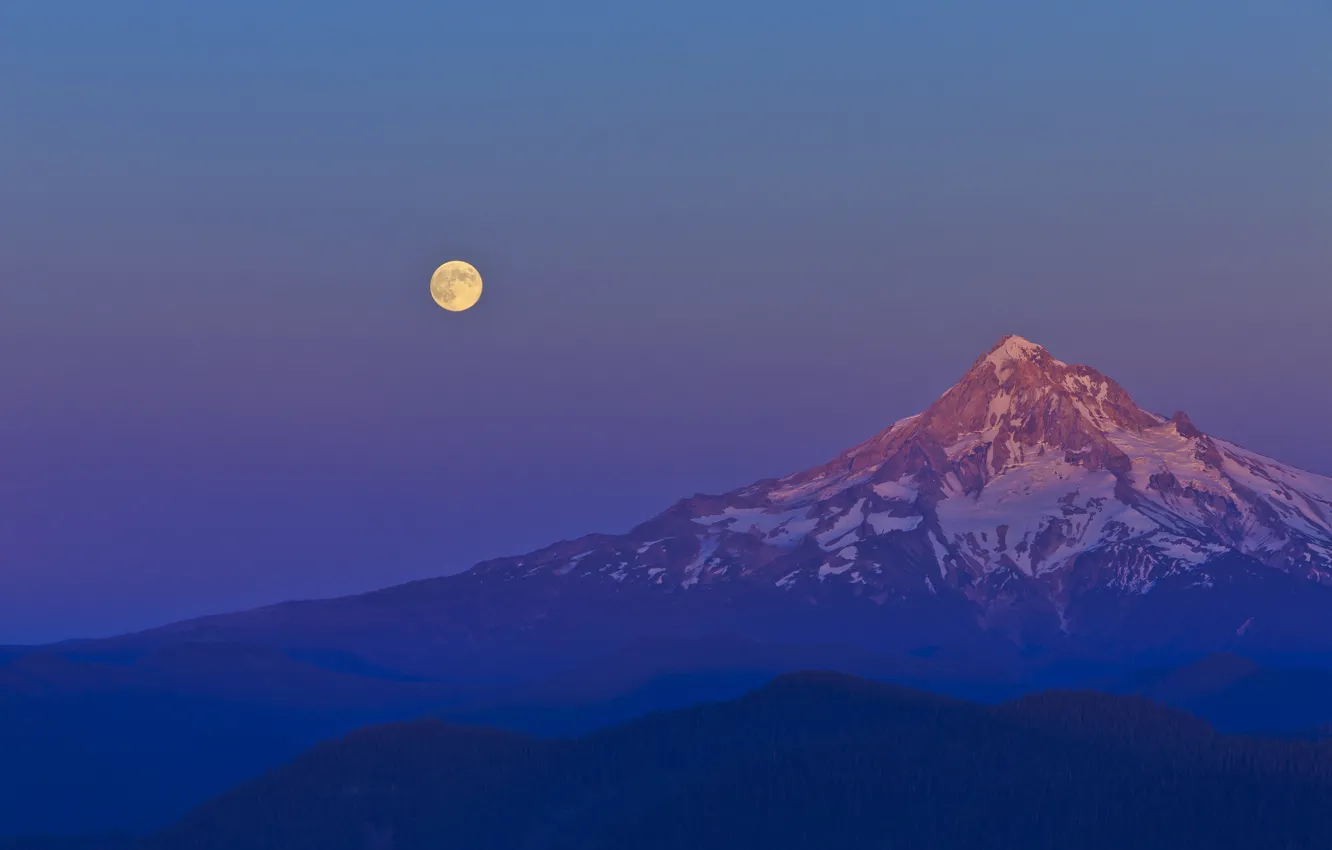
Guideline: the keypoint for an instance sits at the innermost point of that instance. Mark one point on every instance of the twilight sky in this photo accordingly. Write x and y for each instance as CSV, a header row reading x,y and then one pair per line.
x,y
721,241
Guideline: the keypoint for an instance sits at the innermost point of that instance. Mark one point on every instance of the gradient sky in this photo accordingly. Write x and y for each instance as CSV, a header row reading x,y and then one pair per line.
x,y
721,241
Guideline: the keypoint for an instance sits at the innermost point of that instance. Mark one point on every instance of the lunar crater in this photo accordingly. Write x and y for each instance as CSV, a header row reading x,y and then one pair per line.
x,y
456,286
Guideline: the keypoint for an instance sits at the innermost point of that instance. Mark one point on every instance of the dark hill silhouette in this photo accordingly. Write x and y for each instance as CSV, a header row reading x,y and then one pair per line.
x,y
113,841
129,751
810,760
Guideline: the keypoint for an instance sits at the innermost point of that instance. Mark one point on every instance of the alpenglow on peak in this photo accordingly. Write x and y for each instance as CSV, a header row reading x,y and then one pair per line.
x,y
1028,469
1013,347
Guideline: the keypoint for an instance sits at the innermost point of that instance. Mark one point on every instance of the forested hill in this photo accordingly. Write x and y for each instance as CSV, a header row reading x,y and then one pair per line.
x,y
809,761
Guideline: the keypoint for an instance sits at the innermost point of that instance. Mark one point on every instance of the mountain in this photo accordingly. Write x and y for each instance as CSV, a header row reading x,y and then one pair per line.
x,y
810,760
1237,695
1032,527
1020,500
1034,508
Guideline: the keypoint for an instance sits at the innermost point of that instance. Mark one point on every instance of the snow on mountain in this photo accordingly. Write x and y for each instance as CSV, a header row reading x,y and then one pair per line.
x,y
1028,479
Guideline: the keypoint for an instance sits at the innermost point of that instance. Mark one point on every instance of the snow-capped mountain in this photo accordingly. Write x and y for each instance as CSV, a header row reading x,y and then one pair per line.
x,y
1029,481
1034,507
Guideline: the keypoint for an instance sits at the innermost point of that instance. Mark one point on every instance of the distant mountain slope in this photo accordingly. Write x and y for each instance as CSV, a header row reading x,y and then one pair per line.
x,y
128,741
812,760
1235,694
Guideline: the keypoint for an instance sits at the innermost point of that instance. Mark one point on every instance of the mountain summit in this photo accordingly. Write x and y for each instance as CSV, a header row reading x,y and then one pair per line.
x,y
1034,505
1023,466
1015,400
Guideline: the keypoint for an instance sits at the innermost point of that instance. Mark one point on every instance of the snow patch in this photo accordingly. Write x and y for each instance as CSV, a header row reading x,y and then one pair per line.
x,y
940,554
845,524
884,523
648,545
780,528
902,490
707,547
826,570
572,563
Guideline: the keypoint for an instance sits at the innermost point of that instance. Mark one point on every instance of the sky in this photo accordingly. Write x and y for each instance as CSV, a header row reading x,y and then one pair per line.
x,y
720,241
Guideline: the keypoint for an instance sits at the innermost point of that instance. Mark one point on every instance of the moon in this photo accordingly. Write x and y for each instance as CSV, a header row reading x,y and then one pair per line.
x,y
455,286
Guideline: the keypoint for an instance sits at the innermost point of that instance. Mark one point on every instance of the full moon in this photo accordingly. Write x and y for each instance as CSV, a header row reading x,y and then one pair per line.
x,y
455,286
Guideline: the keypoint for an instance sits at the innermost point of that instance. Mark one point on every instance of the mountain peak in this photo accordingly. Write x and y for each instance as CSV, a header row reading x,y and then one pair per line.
x,y
1014,347
1016,355
1019,390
